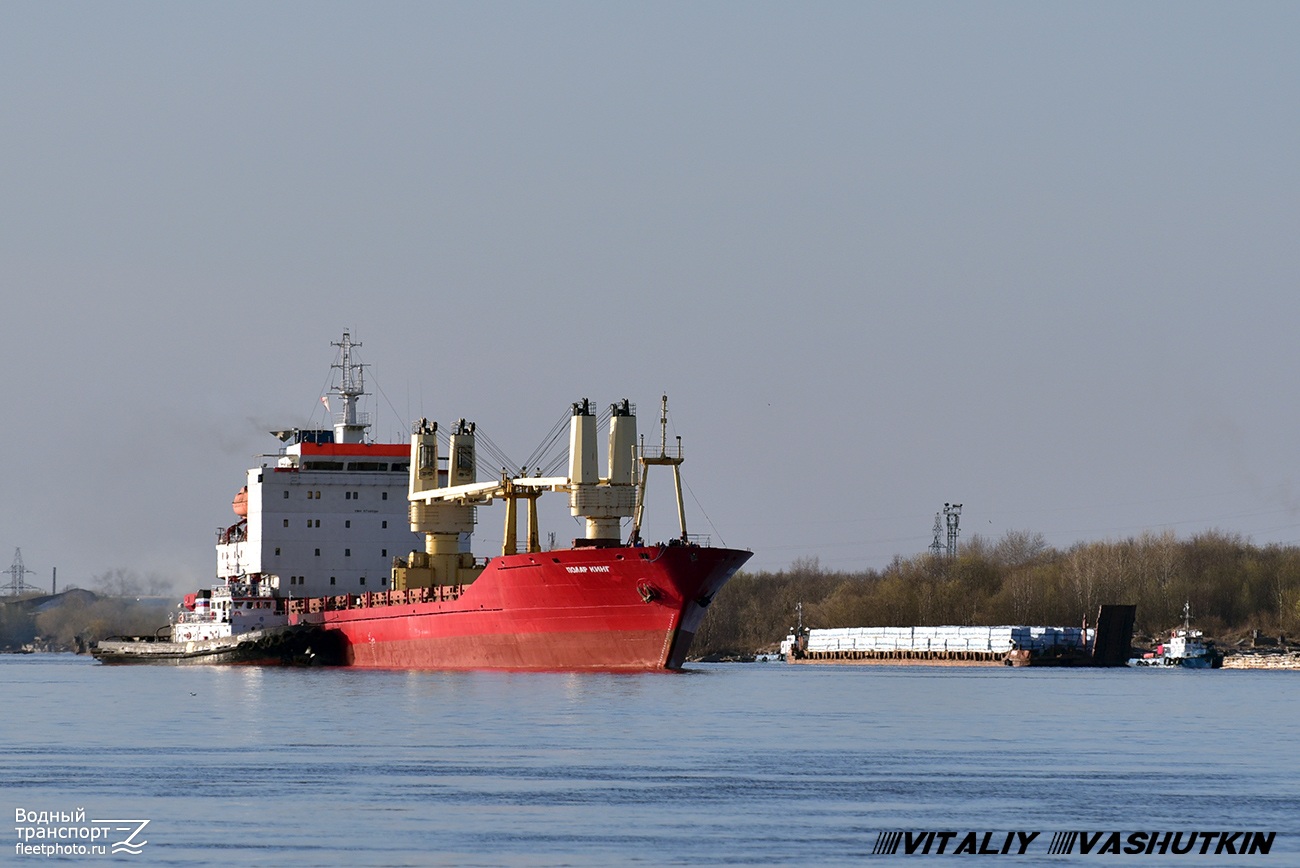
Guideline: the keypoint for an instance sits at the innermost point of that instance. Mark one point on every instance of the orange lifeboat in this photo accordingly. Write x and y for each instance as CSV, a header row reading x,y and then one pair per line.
x,y
240,503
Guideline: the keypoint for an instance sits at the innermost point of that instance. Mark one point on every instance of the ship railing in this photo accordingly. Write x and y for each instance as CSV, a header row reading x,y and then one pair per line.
x,y
249,590
196,618
649,451
233,534
340,602
521,548
360,418
699,540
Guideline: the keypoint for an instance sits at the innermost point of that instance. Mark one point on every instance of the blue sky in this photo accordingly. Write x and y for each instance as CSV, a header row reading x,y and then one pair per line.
x,y
1035,258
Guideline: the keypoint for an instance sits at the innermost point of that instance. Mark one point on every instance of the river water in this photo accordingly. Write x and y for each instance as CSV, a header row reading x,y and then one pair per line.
x,y
736,764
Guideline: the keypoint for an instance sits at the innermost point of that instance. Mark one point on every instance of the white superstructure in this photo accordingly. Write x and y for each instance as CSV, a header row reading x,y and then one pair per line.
x,y
228,611
327,513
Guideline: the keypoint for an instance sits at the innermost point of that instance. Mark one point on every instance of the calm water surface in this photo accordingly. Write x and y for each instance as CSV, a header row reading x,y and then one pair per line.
x,y
761,764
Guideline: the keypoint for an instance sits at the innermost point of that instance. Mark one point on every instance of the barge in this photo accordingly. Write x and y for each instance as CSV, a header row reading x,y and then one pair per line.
x,y
1007,645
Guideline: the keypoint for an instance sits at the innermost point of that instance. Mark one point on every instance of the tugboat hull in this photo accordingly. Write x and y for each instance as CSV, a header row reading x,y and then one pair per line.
x,y
277,646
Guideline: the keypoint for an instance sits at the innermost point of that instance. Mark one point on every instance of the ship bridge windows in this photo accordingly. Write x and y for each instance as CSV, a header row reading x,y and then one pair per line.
x,y
322,465
368,465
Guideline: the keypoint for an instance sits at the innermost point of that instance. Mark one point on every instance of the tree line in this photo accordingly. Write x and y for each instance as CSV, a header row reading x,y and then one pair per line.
x,y
74,618
1232,586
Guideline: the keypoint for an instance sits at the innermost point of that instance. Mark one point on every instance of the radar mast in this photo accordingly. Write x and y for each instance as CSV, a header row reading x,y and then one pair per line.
x,y
349,424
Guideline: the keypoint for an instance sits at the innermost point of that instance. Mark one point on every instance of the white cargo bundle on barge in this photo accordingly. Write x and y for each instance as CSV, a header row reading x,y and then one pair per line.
x,y
940,644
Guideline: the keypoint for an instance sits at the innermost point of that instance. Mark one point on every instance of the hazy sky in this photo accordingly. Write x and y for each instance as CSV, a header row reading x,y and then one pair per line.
x,y
1037,258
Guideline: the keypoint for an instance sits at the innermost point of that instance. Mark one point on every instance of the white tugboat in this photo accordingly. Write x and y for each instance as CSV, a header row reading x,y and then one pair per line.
x,y
1185,647
239,622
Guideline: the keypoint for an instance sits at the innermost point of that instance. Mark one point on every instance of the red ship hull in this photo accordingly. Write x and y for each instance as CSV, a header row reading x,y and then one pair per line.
x,y
633,608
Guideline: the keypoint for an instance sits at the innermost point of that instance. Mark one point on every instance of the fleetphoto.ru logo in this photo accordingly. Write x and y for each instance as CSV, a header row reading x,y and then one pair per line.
x,y
69,833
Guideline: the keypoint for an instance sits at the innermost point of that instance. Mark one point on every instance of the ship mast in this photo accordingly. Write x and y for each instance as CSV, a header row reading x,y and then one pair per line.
x,y
349,425
670,458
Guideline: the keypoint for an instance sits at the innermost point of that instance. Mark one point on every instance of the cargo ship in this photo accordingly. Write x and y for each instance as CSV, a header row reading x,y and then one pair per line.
x,y
325,532
604,603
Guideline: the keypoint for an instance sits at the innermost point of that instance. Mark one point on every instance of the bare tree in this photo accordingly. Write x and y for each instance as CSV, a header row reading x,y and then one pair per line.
x,y
118,582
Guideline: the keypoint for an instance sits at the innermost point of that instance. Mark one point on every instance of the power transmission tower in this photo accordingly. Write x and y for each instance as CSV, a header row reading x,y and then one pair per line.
x,y
936,547
17,584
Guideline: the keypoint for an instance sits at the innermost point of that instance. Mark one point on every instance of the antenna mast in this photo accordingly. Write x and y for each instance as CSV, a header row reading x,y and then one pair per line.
x,y
349,425
951,512
667,457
